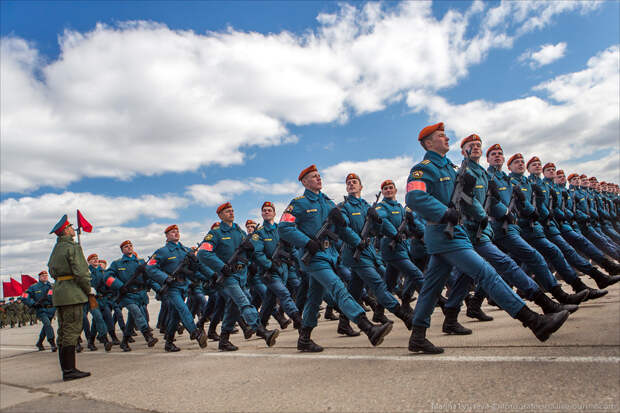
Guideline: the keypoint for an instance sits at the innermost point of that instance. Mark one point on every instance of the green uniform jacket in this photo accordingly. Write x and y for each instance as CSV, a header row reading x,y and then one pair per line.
x,y
67,258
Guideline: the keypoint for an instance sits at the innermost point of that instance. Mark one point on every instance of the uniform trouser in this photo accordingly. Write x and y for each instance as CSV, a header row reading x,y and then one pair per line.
x,y
472,264
302,292
277,290
258,292
551,252
582,244
237,304
505,267
98,325
118,316
293,282
601,242
46,331
178,311
413,276
610,231
106,312
218,311
162,318
320,282
69,324
571,255
516,246
135,317
199,303
369,276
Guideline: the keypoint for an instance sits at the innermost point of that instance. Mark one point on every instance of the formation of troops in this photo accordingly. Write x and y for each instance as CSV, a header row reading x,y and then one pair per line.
x,y
15,313
465,234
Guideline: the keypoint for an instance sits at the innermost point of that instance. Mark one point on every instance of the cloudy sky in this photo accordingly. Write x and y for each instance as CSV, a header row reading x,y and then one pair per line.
x,y
145,114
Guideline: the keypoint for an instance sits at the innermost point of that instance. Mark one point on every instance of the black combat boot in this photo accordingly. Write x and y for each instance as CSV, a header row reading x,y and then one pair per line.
x,y
125,344
212,333
52,342
418,342
405,314
91,344
200,337
378,316
282,320
150,340
565,298
344,327
130,339
305,344
170,346
611,267
451,324
114,338
201,322
180,329
375,333
40,344
370,301
542,325
296,317
329,313
78,347
474,307
225,344
69,372
549,306
268,335
247,331
107,344
593,293
603,280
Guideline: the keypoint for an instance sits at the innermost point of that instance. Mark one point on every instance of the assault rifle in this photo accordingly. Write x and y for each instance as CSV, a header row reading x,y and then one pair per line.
x,y
322,234
458,195
403,232
235,258
511,207
280,256
186,268
141,270
365,234
39,302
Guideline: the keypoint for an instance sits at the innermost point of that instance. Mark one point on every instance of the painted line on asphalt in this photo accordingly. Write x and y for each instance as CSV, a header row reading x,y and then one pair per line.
x,y
425,358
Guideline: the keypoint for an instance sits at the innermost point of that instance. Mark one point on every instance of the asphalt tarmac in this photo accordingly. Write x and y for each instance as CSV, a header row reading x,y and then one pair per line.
x,y
501,367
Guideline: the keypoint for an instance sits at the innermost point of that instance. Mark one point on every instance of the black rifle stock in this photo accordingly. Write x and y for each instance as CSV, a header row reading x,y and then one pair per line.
x,y
366,231
235,258
323,233
458,195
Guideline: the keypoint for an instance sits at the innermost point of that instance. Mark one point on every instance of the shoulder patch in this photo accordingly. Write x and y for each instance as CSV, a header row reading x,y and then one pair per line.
x,y
299,197
290,207
417,174
208,237
255,237
425,162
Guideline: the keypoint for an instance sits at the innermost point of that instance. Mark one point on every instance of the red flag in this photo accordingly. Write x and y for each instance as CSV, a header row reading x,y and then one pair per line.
x,y
7,290
82,223
17,287
27,281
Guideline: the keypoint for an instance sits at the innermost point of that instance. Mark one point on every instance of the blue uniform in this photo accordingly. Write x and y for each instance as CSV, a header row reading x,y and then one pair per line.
x,y
300,222
99,325
429,189
45,310
216,249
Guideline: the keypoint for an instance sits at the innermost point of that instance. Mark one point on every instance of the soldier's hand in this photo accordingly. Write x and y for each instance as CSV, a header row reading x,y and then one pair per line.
x,y
335,216
373,215
92,302
247,246
313,246
123,290
469,182
450,216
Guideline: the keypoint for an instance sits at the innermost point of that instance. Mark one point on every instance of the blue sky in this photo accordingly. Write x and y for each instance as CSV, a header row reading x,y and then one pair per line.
x,y
109,118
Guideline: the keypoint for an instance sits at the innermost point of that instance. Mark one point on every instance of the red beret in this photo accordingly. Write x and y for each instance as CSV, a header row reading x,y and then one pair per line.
x,y
559,172
583,176
105,262
215,225
427,131
42,273
592,179
549,165
494,148
222,207
387,182
470,138
532,159
250,222
352,176
571,176
603,183
514,158
306,171
126,242
91,256
170,228
268,204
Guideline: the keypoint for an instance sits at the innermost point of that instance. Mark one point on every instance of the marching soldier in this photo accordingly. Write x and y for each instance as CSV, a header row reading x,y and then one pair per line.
x,y
72,289
39,297
429,192
99,328
299,226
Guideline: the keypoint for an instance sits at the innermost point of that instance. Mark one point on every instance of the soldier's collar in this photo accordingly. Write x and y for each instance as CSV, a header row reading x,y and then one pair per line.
x,y
311,195
436,158
172,245
224,227
269,226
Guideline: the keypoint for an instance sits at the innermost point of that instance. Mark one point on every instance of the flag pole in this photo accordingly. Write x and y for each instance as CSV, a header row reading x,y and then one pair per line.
x,y
78,225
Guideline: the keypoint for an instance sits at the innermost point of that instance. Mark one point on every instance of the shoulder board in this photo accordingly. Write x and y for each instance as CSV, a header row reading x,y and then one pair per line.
x,y
209,237
259,228
426,162
299,197
255,237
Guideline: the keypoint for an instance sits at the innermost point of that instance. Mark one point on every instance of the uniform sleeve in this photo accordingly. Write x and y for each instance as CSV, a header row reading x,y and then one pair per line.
x,y
287,228
29,299
206,252
419,198
79,268
386,229
527,208
153,268
259,252
110,277
498,209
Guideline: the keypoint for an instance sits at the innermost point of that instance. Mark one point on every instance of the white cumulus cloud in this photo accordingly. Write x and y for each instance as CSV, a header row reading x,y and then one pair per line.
x,y
548,53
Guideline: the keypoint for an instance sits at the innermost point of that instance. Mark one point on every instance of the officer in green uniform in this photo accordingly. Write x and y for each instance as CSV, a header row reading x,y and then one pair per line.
x,y
3,316
72,289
